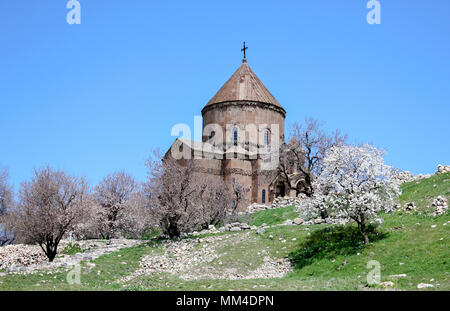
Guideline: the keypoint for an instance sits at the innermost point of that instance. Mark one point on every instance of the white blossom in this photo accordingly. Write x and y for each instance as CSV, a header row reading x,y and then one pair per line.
x,y
354,184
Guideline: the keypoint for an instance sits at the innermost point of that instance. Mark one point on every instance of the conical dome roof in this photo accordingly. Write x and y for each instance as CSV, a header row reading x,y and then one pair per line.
x,y
243,85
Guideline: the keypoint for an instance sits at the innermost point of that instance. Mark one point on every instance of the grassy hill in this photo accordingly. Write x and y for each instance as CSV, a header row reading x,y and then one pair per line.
x,y
325,257
423,192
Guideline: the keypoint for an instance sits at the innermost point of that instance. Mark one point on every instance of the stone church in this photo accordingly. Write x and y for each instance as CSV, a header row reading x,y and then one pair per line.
x,y
243,116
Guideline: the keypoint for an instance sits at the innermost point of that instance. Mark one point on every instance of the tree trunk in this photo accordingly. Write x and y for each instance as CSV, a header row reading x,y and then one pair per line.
x,y
172,229
362,229
51,251
308,186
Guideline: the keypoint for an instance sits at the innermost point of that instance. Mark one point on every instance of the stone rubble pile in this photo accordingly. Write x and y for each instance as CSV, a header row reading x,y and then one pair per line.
x,y
403,177
92,250
277,203
409,206
194,259
406,176
421,176
179,257
440,204
256,207
235,226
20,255
443,169
287,201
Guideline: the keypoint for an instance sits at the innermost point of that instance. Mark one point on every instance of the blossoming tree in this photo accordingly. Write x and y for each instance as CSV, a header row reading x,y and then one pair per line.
x,y
354,184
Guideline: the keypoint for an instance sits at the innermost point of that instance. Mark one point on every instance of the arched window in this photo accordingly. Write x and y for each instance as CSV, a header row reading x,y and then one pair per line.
x,y
263,196
266,137
235,134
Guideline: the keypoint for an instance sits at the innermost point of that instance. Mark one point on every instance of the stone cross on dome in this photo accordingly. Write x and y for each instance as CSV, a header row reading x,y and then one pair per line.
x,y
243,49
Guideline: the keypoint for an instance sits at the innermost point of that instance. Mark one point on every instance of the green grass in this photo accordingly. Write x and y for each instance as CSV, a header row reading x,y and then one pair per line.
x,y
405,244
71,249
333,258
423,192
325,257
108,268
273,216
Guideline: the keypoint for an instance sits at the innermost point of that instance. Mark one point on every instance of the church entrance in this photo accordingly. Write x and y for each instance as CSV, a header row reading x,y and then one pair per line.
x,y
280,190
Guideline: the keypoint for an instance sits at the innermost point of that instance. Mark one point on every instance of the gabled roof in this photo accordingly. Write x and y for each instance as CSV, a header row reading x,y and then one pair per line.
x,y
244,85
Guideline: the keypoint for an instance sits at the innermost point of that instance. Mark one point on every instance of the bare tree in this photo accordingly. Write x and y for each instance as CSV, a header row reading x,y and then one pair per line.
x,y
6,203
116,196
301,158
213,200
49,205
170,191
238,194
181,198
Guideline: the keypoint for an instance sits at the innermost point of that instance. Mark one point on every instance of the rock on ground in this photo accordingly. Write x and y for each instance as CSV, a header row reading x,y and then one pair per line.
x,y
20,255
424,285
440,204
188,260
443,169
28,259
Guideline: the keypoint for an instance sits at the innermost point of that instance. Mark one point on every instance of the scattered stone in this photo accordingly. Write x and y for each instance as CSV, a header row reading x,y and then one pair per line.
x,y
287,201
387,284
409,206
28,259
288,222
298,221
20,255
441,169
245,226
260,230
255,207
318,221
440,204
424,285
403,275
343,264
188,262
403,177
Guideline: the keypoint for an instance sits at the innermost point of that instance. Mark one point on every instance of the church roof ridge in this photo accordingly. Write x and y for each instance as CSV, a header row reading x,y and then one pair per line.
x,y
243,85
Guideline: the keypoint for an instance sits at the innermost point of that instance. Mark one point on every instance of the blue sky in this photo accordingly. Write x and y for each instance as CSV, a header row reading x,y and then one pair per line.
x,y
97,97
